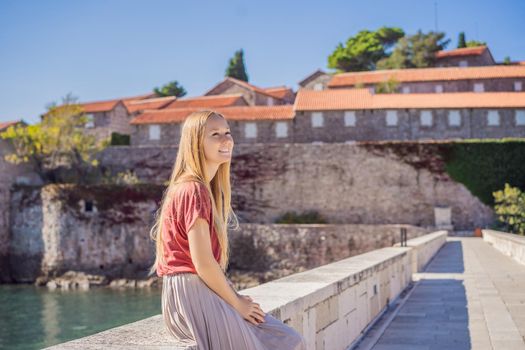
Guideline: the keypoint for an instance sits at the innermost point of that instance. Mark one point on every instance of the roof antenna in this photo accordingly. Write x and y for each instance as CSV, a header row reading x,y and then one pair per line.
x,y
436,15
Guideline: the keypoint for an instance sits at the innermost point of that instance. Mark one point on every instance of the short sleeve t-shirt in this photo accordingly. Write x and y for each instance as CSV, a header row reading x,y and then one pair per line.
x,y
190,201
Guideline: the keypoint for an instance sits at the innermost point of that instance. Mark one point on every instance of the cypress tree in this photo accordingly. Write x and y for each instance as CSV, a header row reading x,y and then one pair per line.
x,y
236,68
461,40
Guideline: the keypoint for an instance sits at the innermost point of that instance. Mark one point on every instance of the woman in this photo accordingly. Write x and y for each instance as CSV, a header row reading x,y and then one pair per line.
x,y
199,304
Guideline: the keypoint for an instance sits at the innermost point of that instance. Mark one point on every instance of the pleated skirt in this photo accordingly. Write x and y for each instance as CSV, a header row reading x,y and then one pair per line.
x,y
196,316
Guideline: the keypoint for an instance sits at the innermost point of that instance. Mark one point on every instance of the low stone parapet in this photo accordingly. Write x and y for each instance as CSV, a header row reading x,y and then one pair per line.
x,y
507,243
330,305
424,248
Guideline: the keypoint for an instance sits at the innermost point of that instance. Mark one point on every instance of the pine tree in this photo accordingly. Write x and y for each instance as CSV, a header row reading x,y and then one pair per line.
x,y
236,68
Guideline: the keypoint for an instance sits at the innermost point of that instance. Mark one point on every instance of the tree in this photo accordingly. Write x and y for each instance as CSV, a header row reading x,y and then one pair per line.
x,y
170,89
473,43
364,50
389,86
461,40
507,60
58,140
415,51
236,68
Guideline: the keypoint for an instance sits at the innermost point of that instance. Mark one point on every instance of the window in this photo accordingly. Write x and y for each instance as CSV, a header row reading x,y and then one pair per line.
x,y
426,118
520,117
317,120
269,101
391,118
372,89
493,118
154,132
478,87
454,118
349,118
88,206
439,89
281,129
90,123
250,130
518,86
405,89
318,86
463,63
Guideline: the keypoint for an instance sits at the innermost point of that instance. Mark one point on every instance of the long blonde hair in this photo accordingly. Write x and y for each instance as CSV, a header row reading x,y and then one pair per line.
x,y
190,165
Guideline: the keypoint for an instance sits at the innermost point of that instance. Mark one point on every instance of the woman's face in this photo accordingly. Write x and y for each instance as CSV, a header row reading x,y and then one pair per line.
x,y
218,141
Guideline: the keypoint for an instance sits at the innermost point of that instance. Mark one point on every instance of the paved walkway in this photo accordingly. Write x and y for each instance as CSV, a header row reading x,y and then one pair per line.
x,y
470,297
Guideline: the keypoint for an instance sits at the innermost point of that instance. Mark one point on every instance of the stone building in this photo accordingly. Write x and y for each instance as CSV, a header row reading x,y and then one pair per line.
x,y
254,95
318,80
438,80
109,116
465,57
345,115
248,124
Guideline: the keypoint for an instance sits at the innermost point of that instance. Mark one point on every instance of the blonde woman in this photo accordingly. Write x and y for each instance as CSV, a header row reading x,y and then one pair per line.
x,y
199,304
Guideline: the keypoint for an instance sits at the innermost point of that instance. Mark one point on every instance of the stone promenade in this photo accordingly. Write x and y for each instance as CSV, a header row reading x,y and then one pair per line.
x,y
470,296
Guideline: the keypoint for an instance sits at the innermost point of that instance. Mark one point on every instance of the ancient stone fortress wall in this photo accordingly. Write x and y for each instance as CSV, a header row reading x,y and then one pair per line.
x,y
104,230
9,174
362,183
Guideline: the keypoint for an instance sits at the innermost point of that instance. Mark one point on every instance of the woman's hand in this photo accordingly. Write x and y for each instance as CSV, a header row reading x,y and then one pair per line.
x,y
249,310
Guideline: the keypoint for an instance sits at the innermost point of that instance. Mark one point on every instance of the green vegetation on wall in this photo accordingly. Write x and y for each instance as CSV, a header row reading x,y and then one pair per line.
x,y
308,217
484,166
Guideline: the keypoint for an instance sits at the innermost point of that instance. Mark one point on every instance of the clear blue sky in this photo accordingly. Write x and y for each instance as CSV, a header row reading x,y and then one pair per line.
x,y
102,49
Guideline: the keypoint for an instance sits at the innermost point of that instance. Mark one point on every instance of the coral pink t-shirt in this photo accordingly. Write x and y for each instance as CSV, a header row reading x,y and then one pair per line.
x,y
190,201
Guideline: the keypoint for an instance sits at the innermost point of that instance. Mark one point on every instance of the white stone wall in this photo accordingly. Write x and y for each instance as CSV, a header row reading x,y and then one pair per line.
x,y
507,243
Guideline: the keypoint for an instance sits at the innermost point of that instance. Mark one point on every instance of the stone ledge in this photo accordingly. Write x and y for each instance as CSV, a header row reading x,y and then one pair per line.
x,y
329,305
507,243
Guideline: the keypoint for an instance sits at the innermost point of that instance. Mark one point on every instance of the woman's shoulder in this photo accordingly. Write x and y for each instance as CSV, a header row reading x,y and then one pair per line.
x,y
191,187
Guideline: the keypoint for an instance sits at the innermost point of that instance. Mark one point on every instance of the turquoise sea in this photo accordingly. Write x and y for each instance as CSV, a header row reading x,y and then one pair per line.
x,y
34,317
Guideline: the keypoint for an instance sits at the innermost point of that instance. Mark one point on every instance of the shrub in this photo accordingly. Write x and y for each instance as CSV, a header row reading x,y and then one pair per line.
x,y
510,208
119,139
308,217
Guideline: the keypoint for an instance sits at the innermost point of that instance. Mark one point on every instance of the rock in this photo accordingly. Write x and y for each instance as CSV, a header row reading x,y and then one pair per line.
x,y
52,285
41,281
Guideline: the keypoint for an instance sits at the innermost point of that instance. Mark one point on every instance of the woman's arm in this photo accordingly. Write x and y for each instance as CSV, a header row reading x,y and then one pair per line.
x,y
207,267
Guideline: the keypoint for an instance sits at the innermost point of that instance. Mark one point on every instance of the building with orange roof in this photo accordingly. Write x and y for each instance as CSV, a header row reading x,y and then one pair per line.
x,y
438,80
465,57
248,124
254,95
212,101
113,116
345,115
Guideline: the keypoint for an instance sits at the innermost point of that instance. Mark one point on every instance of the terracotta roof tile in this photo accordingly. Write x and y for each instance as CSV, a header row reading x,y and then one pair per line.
x,y
465,51
244,84
108,105
177,115
355,99
150,103
207,101
427,74
5,125
280,92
